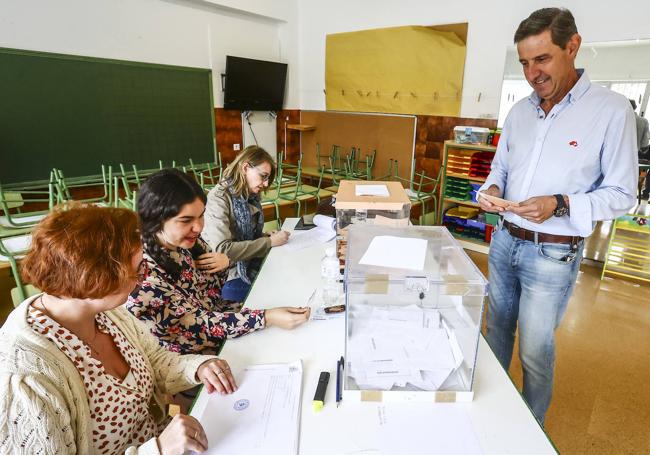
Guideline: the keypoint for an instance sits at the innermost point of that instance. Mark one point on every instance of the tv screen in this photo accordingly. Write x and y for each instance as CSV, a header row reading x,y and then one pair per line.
x,y
254,85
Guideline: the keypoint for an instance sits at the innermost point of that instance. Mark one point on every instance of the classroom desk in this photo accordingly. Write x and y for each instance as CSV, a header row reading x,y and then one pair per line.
x,y
502,422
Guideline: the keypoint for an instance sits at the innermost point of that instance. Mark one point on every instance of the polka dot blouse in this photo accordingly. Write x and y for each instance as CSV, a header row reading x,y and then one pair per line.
x,y
119,408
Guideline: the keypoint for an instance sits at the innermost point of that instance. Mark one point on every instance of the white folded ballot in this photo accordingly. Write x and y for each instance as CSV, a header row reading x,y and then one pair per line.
x,y
402,346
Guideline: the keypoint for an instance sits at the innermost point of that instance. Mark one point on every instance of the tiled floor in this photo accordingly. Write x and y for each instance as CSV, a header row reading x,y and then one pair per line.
x,y
601,402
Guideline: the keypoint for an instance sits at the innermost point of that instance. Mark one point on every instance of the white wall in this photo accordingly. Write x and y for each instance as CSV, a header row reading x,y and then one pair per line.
x,y
491,28
176,32
201,33
613,61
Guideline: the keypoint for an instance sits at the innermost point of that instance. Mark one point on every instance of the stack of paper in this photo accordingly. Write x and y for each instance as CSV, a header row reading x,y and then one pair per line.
x,y
261,417
401,346
324,231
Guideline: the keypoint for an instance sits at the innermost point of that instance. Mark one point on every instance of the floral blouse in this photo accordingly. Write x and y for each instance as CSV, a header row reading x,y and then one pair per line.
x,y
120,414
187,315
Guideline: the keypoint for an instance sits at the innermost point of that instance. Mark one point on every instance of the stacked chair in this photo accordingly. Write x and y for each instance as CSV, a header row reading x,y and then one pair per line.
x,y
421,189
16,226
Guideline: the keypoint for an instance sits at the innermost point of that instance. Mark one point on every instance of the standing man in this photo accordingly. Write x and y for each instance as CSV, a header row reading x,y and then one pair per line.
x,y
567,154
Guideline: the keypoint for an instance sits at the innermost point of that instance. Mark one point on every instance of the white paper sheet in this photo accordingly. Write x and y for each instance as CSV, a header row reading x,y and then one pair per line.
x,y
396,252
324,231
426,428
261,417
371,190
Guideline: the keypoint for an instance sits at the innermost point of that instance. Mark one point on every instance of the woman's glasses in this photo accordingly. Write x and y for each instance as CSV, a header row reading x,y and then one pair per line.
x,y
143,271
265,176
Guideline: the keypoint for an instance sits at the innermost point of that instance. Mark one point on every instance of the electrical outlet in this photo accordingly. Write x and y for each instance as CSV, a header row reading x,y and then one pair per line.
x,y
236,147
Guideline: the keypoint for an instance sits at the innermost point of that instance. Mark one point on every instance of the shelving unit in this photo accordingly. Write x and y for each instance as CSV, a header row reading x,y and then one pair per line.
x,y
628,252
461,153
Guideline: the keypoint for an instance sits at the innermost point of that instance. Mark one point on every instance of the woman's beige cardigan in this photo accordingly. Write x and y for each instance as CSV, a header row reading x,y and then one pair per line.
x,y
43,403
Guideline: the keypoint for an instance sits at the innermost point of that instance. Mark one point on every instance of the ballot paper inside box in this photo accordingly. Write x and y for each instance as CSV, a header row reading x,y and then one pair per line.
x,y
414,305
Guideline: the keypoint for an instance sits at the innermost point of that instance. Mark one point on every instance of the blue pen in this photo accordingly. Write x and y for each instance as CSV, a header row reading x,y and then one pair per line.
x,y
339,381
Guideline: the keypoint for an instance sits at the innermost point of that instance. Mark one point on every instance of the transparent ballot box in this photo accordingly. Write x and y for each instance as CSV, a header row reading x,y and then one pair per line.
x,y
368,202
414,306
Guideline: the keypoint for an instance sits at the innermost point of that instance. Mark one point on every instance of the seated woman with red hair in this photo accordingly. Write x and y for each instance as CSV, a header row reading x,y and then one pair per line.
x,y
78,373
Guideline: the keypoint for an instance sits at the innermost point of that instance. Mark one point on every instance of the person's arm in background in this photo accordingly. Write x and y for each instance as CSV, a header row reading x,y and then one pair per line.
x,y
645,135
219,233
616,193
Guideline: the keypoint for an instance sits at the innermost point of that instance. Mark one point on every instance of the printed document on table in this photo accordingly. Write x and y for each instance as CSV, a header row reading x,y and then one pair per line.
x,y
261,417
396,252
324,231
371,190
426,428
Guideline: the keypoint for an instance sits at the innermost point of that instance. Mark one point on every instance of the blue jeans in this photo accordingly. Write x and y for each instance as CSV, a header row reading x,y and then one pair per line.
x,y
530,286
235,290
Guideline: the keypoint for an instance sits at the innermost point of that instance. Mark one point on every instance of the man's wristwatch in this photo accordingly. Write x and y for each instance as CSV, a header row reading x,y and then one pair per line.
x,y
561,208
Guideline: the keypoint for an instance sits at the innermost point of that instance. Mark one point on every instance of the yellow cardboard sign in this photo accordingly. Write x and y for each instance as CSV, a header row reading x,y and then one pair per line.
x,y
405,70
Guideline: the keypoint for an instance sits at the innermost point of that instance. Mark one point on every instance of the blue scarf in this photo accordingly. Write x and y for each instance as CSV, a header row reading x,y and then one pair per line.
x,y
246,230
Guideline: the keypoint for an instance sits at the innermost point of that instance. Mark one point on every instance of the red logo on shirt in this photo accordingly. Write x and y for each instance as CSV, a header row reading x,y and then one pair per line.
x,y
573,143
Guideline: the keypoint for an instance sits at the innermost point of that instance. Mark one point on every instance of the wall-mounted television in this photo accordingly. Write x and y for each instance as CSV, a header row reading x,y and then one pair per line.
x,y
254,85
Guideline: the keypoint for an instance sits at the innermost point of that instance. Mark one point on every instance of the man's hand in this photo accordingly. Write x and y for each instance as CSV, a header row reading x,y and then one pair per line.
x,y
486,205
536,209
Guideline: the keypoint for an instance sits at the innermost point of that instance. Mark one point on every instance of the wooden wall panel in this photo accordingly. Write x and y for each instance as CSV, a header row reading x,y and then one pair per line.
x,y
228,129
390,135
432,132
291,137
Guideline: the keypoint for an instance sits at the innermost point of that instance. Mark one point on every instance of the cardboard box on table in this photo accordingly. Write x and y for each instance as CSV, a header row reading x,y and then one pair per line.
x,y
393,210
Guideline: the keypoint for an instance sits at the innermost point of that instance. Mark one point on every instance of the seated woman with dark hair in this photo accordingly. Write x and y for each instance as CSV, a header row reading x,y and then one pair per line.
x,y
79,374
180,297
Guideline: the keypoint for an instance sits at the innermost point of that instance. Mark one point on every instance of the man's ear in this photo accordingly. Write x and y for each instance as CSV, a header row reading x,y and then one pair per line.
x,y
573,45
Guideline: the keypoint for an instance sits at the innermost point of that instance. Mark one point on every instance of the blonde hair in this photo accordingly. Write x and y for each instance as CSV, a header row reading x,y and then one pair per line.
x,y
252,155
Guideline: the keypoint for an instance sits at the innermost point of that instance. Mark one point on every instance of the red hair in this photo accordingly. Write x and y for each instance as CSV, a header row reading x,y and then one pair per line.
x,y
83,251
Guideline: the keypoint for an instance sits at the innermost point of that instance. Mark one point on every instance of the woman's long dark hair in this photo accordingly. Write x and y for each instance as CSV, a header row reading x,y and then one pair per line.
x,y
161,197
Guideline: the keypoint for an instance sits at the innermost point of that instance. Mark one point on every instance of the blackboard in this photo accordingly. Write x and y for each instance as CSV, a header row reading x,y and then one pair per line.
x,y
77,113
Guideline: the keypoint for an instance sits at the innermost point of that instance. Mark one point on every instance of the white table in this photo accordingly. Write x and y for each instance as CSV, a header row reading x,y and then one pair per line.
x,y
502,422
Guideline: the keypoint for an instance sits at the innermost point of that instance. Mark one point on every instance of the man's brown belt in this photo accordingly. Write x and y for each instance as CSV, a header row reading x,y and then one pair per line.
x,y
525,234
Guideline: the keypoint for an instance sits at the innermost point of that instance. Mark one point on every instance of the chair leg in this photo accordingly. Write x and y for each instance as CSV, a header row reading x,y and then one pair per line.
x,y
19,282
277,215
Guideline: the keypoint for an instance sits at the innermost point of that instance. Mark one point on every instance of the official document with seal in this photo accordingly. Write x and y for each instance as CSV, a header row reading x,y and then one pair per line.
x,y
261,417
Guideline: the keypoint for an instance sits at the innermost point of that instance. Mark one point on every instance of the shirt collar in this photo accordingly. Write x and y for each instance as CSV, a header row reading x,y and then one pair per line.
x,y
576,92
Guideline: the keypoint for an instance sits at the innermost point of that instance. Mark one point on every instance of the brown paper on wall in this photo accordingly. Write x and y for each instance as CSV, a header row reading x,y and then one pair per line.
x,y
408,70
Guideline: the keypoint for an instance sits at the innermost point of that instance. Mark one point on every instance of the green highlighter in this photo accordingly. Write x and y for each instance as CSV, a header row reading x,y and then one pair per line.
x,y
319,397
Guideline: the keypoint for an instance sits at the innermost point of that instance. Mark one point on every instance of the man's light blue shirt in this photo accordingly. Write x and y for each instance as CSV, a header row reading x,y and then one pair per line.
x,y
585,148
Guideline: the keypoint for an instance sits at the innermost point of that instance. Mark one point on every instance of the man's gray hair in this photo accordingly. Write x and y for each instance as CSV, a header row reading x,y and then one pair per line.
x,y
559,21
